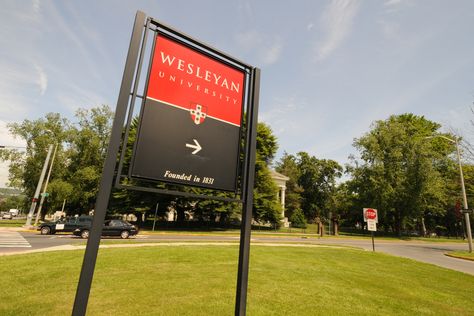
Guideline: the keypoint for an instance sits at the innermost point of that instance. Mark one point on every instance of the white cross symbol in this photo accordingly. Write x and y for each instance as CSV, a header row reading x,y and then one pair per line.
x,y
198,114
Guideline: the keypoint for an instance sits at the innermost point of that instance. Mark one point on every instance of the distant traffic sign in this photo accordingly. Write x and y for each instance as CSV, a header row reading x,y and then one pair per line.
x,y
370,214
371,225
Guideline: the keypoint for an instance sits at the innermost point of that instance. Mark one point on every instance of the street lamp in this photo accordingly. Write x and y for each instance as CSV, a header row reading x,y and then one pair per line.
x,y
38,213
466,214
38,187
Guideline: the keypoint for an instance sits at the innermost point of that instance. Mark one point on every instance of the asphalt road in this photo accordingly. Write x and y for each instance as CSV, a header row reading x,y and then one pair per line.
x,y
12,241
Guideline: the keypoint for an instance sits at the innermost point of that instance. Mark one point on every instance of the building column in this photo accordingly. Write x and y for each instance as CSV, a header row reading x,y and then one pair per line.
x,y
282,200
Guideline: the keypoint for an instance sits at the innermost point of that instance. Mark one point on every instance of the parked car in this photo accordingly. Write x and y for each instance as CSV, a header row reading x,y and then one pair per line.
x,y
7,216
113,227
67,225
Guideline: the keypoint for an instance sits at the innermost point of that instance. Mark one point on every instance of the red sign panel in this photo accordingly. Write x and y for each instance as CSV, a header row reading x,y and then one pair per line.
x,y
370,213
187,79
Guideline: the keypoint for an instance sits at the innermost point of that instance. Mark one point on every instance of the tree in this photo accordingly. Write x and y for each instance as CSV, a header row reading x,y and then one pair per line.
x,y
79,158
266,207
318,180
297,219
88,148
16,201
59,191
400,171
25,167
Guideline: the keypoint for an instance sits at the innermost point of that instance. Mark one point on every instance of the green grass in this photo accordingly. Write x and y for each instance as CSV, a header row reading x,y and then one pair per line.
x,y
12,222
462,254
310,232
200,280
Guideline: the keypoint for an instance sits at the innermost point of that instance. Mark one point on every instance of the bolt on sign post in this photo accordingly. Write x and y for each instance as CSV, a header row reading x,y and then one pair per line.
x,y
371,218
197,127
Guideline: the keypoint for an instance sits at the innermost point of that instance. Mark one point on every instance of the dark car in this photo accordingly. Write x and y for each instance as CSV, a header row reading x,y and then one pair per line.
x,y
67,225
113,227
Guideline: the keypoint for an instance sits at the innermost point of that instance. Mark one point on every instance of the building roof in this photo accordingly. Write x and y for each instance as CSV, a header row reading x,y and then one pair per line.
x,y
278,176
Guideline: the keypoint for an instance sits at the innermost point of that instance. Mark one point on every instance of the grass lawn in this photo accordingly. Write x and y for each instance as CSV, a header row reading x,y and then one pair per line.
x,y
12,222
200,280
462,254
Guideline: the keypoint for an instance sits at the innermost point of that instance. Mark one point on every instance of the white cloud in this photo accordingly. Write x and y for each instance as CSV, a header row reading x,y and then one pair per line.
x,y
6,139
36,6
268,49
272,53
16,80
390,3
336,22
42,80
280,113
75,96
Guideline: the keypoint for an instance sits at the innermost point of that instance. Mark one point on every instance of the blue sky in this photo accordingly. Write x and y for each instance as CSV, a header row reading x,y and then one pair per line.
x,y
329,68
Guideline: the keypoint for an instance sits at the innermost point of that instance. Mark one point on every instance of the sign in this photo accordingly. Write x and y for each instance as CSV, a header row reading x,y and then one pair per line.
x,y
371,225
45,194
190,123
370,214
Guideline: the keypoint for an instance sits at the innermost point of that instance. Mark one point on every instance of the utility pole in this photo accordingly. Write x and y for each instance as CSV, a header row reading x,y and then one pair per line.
x,y
38,214
461,175
466,215
38,188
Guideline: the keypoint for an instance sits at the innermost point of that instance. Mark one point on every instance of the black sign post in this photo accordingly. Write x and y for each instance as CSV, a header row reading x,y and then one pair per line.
x,y
191,132
249,177
90,256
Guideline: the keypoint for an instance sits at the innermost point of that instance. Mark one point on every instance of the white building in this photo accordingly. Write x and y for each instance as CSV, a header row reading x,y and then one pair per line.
x,y
280,181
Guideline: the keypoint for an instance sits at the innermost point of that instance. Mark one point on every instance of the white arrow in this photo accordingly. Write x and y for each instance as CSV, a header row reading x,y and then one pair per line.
x,y
197,148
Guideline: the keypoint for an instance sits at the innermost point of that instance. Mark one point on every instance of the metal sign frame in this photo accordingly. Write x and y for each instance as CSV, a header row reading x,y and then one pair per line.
x,y
164,35
118,146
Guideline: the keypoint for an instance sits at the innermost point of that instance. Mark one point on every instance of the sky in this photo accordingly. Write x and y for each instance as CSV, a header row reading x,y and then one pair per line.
x,y
329,68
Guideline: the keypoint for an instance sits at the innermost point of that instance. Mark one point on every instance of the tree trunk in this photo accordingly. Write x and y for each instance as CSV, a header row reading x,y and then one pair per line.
x,y
423,227
336,228
138,215
398,223
180,215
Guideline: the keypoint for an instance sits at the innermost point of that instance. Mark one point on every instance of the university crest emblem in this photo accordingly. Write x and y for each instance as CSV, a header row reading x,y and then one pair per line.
x,y
198,113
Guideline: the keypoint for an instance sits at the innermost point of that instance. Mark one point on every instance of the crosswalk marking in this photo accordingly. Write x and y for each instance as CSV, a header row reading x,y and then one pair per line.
x,y
12,239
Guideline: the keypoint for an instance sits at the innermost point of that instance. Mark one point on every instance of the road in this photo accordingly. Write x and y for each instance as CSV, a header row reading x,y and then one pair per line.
x,y
12,241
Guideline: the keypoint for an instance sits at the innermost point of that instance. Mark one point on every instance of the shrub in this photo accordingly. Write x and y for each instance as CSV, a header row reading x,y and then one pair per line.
x,y
297,219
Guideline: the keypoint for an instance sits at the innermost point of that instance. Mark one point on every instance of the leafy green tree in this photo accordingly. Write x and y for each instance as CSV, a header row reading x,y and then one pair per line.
x,y
25,166
318,180
297,219
13,202
79,156
266,207
59,191
87,150
400,170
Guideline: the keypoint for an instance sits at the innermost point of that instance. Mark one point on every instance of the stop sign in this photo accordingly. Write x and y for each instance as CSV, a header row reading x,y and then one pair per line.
x,y
371,214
